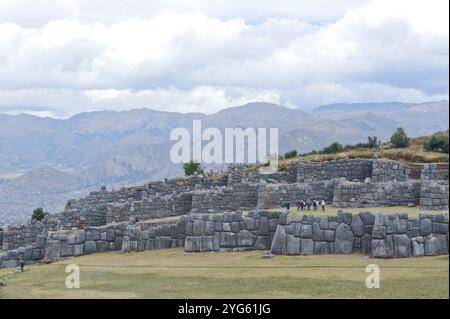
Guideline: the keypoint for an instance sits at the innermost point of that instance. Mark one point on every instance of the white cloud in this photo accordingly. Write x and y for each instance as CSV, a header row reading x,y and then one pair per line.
x,y
183,59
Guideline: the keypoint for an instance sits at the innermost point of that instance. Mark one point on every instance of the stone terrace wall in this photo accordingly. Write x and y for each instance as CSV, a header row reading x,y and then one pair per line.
x,y
231,231
113,237
175,186
237,176
26,234
434,195
320,235
435,171
151,207
400,236
385,171
273,195
236,197
350,169
347,194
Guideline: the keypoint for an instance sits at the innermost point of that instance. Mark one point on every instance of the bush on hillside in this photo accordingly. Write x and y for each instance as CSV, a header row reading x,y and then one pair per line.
x,y
291,154
191,167
38,214
399,139
436,144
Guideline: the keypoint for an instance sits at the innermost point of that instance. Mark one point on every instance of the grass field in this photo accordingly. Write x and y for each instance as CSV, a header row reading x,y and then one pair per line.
x,y
331,211
173,274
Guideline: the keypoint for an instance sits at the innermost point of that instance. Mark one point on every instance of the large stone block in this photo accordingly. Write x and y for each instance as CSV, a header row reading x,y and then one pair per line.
x,y
344,239
367,218
426,227
321,248
263,242
198,228
357,226
227,240
207,243
78,249
193,244
383,248
436,244
245,239
317,233
66,249
402,245
418,248
264,229
293,245
306,231
366,244
53,251
279,241
307,246
90,247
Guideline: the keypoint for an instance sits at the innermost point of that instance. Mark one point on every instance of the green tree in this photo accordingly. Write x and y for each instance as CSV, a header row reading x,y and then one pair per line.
x,y
291,154
38,214
373,142
436,144
333,148
399,139
191,167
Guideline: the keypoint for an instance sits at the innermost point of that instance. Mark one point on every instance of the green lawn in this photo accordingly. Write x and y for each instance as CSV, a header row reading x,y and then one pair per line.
x,y
332,211
174,274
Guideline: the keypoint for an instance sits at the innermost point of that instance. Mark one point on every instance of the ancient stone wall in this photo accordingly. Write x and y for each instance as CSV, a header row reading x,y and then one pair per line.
x,y
348,194
150,207
113,237
386,171
380,235
399,236
320,235
350,169
26,234
273,195
435,171
236,197
434,195
231,231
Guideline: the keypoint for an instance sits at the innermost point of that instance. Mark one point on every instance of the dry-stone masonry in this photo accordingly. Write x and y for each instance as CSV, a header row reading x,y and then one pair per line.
x,y
400,236
231,231
342,183
380,235
348,194
320,235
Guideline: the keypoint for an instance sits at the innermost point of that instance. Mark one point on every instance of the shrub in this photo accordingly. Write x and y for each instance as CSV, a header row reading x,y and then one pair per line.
x,y
38,214
399,139
436,144
291,154
373,142
333,148
191,167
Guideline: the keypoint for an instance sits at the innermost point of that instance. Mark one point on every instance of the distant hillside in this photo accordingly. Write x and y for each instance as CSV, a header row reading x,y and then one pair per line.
x,y
43,160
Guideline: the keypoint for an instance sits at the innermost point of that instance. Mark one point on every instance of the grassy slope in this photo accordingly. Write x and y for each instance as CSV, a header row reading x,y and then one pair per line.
x,y
174,274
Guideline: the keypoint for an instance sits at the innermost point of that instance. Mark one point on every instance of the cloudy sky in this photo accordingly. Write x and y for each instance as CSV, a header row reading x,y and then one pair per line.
x,y
61,57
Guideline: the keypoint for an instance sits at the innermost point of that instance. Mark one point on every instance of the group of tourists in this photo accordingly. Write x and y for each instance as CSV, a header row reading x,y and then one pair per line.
x,y
306,204
310,204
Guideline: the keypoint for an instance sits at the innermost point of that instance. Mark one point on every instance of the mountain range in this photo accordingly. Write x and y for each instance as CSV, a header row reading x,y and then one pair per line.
x,y
45,161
